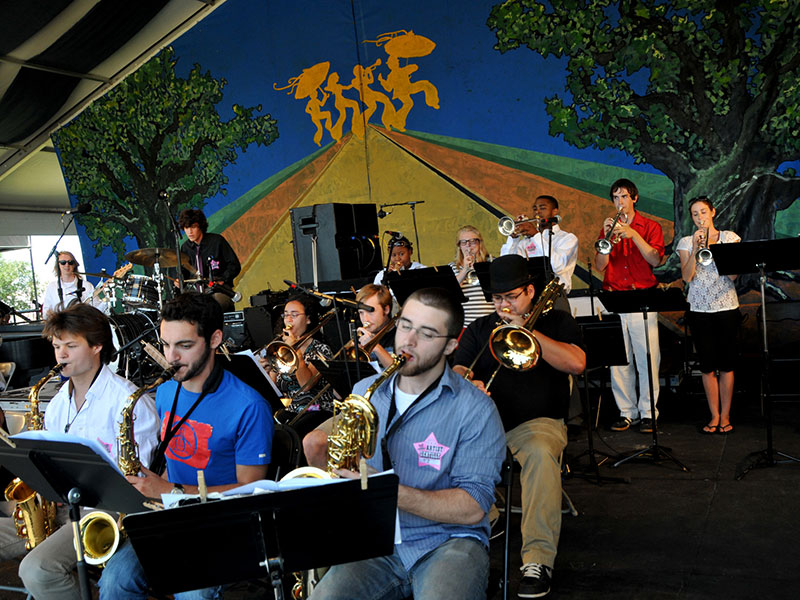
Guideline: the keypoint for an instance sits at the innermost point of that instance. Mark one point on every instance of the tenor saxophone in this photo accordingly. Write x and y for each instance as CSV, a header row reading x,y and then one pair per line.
x,y
34,517
99,531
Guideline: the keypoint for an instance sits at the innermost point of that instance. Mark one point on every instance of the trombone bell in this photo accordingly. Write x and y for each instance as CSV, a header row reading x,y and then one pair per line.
x,y
515,347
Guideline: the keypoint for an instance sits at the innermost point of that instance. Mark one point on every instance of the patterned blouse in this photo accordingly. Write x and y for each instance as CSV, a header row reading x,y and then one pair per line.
x,y
289,385
708,290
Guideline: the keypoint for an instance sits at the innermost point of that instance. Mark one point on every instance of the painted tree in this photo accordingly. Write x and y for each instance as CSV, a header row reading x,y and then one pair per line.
x,y
706,91
154,132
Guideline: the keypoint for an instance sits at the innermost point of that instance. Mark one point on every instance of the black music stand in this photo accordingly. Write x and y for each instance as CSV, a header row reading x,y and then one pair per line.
x,y
404,283
265,534
605,347
343,374
760,257
645,301
70,472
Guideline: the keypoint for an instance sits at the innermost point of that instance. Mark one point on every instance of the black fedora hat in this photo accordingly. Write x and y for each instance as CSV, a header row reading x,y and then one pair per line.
x,y
507,273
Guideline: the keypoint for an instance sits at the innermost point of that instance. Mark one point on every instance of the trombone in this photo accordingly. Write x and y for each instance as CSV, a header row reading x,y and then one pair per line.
x,y
284,358
606,244
515,347
350,353
704,256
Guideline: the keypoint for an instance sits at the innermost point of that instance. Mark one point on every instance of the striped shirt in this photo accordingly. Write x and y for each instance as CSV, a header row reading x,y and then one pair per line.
x,y
476,305
452,438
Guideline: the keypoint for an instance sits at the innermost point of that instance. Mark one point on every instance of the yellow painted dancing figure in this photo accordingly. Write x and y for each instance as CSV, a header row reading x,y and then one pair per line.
x,y
307,85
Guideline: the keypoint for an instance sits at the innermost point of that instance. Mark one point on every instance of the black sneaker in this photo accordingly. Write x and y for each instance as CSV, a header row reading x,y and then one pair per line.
x,y
624,423
535,581
646,426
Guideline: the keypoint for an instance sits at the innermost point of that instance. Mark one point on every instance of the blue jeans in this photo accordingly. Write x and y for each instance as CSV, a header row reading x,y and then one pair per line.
x,y
123,579
459,568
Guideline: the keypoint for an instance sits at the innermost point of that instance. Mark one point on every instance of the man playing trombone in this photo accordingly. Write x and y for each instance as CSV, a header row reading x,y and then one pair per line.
x,y
636,245
533,404
542,236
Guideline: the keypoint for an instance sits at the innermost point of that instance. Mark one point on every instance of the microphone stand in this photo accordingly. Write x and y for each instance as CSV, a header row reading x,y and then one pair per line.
x,y
413,205
53,249
344,302
173,224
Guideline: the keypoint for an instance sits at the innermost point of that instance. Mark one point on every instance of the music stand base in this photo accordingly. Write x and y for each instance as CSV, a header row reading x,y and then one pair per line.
x,y
654,453
763,459
591,472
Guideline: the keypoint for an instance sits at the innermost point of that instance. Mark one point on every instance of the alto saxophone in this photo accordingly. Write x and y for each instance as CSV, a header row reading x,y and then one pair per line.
x,y
34,517
354,431
99,531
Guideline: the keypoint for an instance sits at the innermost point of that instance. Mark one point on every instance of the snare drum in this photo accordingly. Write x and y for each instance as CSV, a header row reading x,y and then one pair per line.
x,y
124,329
140,291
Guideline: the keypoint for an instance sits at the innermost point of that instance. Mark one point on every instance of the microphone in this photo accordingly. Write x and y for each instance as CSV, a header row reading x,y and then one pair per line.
x,y
292,285
224,289
554,220
81,209
395,234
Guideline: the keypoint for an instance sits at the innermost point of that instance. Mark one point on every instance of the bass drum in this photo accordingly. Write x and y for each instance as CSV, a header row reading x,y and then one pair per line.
x,y
132,362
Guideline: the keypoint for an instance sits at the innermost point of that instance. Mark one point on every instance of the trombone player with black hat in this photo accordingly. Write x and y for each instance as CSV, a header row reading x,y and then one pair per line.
x,y
532,403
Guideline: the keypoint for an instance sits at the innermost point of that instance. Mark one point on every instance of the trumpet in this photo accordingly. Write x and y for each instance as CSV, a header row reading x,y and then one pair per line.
x,y
507,225
284,358
704,256
605,245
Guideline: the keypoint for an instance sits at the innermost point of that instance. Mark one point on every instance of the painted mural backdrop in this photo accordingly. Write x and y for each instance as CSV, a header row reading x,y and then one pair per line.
x,y
473,107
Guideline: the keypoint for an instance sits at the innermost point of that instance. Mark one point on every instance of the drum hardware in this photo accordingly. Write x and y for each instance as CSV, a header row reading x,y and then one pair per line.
x,y
605,245
127,329
141,291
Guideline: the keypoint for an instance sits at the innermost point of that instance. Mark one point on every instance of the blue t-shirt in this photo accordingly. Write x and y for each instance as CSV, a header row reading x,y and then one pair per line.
x,y
229,427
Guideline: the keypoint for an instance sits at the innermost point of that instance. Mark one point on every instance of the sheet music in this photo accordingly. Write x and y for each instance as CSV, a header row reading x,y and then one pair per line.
x,y
254,358
57,436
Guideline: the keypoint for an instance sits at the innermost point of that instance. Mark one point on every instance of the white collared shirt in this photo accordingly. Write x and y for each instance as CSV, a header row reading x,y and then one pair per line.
x,y
565,251
379,277
99,416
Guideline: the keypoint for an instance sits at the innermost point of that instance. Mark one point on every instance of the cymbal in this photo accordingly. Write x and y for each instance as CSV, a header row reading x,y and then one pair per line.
x,y
165,257
101,274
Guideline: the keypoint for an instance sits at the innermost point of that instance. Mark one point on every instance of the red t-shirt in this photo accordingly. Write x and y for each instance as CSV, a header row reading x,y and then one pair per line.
x,y
627,269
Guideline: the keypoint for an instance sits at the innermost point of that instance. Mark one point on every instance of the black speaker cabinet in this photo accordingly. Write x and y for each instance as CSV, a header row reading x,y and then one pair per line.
x,y
347,241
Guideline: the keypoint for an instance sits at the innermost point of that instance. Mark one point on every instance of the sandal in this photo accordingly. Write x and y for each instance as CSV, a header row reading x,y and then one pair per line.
x,y
725,429
710,429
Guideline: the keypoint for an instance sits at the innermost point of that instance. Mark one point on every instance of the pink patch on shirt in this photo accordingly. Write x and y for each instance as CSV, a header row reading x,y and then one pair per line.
x,y
430,452
108,447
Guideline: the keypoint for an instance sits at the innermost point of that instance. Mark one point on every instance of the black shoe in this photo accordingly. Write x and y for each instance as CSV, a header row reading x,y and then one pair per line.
x,y
624,423
535,581
646,426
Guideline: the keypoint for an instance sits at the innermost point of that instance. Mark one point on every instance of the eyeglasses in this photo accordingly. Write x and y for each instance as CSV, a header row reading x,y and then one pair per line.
x,y
472,242
497,299
66,262
292,315
425,335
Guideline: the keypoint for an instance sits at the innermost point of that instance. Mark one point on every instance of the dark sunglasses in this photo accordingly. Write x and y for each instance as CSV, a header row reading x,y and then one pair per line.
x,y
66,262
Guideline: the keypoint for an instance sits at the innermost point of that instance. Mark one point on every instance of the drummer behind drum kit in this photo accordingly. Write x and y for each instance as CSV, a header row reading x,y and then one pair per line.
x,y
136,310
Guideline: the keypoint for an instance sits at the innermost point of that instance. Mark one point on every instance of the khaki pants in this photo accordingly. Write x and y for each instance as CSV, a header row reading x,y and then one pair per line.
x,y
537,446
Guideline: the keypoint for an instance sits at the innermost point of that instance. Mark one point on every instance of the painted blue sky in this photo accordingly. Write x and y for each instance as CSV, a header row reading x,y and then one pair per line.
x,y
485,96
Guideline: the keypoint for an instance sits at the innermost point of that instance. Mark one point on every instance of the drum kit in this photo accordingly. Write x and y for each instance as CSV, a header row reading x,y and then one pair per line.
x,y
135,303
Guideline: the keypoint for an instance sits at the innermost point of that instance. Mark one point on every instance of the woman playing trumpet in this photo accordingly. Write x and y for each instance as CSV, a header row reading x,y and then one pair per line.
x,y
400,253
713,315
380,299
299,316
469,250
